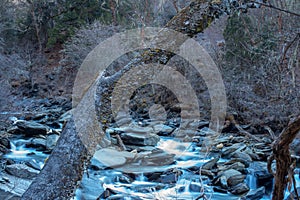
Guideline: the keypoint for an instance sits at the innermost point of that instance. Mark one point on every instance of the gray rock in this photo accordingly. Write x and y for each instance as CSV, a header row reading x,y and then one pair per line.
x,y
51,141
28,128
111,157
158,158
230,149
228,174
162,129
21,171
255,194
240,189
210,164
234,180
140,139
12,187
37,143
242,155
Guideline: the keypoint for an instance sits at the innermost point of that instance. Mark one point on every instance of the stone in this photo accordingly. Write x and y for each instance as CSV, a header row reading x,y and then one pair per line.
x,y
163,130
112,158
226,151
51,141
13,187
195,187
158,158
28,128
255,194
242,155
235,180
228,174
140,139
22,171
37,143
240,189
210,164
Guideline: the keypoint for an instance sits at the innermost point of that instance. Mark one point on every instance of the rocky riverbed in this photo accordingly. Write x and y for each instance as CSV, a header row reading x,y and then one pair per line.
x,y
142,163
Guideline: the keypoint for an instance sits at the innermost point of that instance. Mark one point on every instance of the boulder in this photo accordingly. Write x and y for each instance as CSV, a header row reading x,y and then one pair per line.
x,y
210,164
22,171
240,189
28,128
242,155
112,158
255,194
140,139
230,174
51,141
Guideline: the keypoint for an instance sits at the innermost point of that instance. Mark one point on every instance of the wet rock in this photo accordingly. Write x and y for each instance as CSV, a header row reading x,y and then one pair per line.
x,y
51,141
260,171
207,173
170,176
195,187
242,155
111,157
226,151
158,158
13,187
239,189
124,179
255,194
228,174
210,164
21,171
234,160
28,128
220,190
163,130
140,139
237,166
5,142
37,143
234,180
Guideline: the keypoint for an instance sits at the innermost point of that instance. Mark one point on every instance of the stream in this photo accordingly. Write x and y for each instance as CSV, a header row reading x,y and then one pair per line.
x,y
135,182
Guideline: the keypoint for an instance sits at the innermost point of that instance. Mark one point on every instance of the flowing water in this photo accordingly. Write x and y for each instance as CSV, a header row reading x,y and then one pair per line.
x,y
136,185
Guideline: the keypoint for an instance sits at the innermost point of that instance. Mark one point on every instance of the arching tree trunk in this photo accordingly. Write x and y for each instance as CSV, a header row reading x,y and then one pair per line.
x,y
64,168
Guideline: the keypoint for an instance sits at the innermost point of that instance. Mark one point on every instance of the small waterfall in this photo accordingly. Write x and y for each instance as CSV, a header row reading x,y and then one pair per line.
x,y
141,178
251,179
12,146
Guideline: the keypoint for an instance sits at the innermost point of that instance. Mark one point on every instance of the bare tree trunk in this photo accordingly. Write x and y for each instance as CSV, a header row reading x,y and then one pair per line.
x,y
281,154
62,171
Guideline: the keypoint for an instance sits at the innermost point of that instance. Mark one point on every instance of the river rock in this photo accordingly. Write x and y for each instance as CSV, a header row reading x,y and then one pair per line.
x,y
28,128
111,157
158,158
163,130
21,171
240,189
12,187
242,155
37,143
255,194
140,139
226,151
228,174
210,164
234,180
51,141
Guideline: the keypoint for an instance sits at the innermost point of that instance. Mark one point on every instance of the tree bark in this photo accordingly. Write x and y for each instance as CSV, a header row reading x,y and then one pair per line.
x,y
281,154
62,171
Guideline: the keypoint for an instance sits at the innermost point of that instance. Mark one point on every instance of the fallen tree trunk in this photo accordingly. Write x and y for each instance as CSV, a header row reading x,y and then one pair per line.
x,y
281,153
63,170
